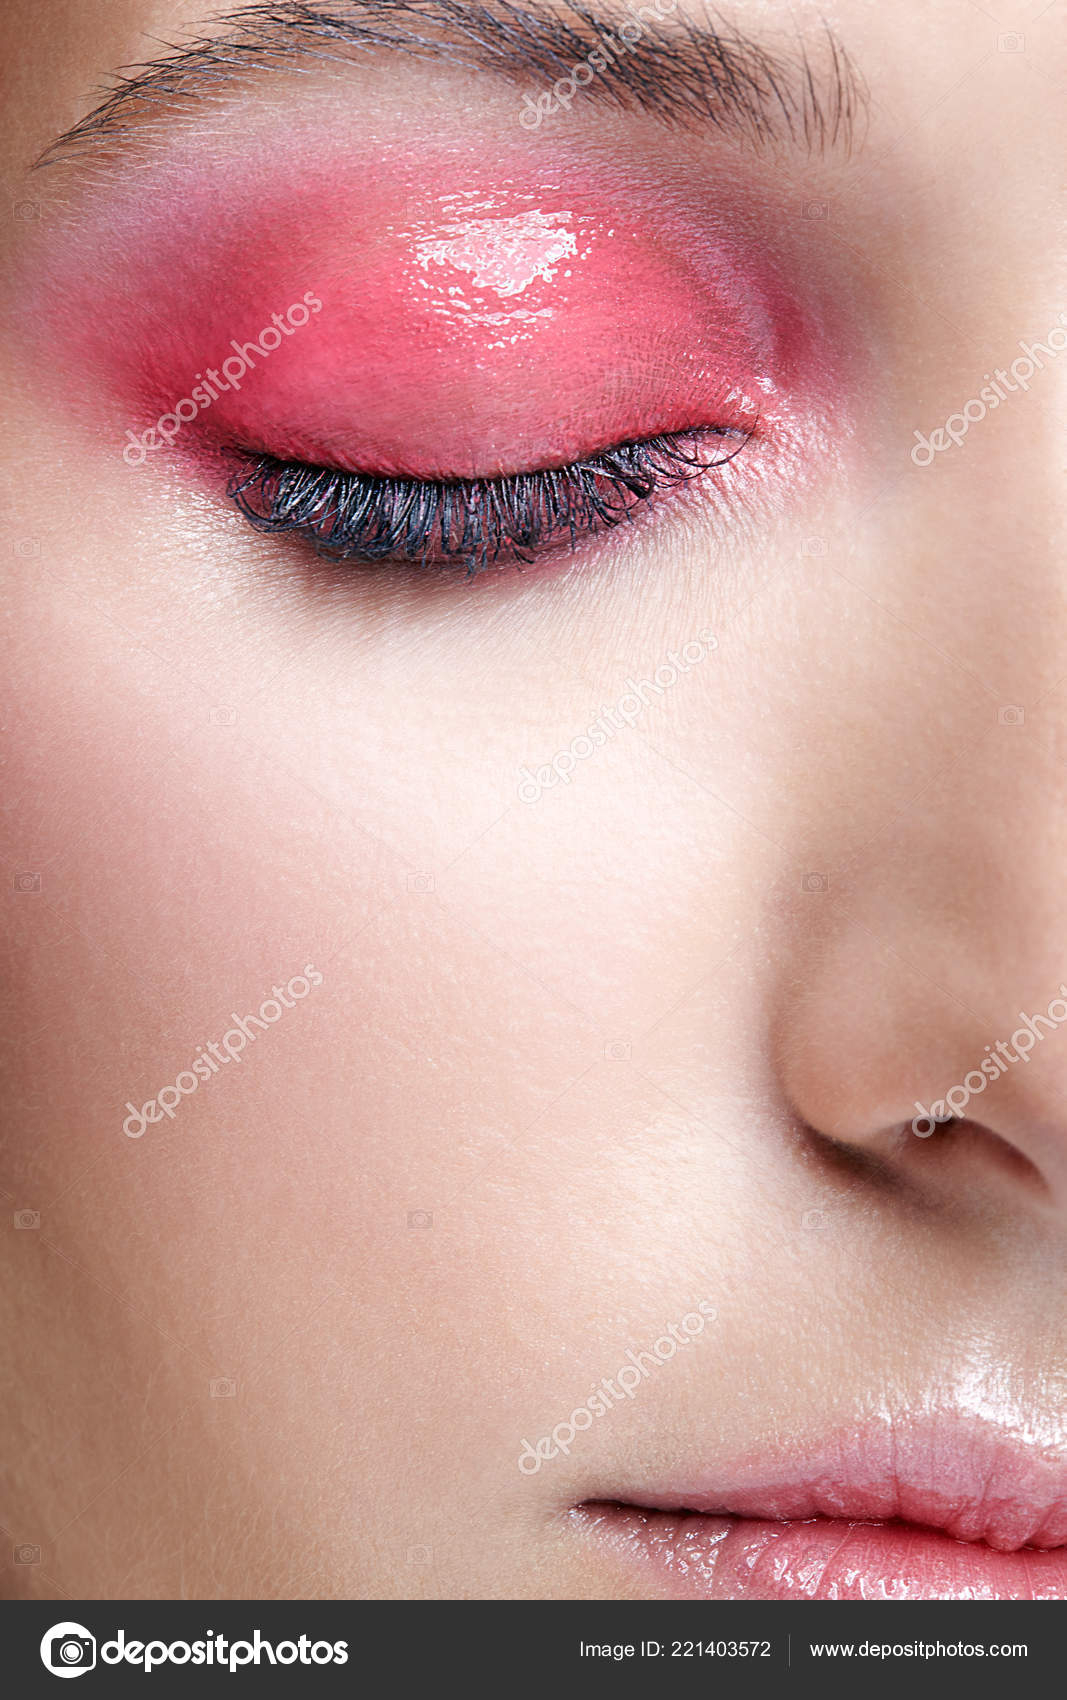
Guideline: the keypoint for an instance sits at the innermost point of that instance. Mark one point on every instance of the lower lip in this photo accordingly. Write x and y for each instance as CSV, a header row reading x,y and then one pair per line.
x,y
693,1556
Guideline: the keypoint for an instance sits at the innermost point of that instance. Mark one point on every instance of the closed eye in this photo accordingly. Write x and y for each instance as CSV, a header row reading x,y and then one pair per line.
x,y
472,523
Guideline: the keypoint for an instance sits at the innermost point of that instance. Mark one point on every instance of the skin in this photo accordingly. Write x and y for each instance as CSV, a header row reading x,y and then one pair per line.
x,y
575,1064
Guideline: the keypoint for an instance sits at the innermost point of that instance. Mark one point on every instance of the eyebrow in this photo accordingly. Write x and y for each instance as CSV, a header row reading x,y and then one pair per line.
x,y
691,73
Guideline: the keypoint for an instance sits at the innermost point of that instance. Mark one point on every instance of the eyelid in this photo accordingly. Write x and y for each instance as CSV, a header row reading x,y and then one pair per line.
x,y
470,522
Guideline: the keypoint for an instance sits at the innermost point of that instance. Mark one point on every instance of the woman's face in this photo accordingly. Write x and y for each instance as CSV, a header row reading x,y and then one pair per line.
x,y
578,954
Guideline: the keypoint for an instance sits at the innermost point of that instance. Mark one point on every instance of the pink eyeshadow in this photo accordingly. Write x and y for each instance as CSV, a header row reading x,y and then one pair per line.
x,y
419,321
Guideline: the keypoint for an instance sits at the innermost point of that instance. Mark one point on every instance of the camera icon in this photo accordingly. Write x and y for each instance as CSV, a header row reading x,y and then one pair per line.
x,y
26,210
223,717
813,1218
815,882
420,1555
618,1050
421,882
1011,42
27,1218
68,1649
815,209
27,547
1011,715
420,1218
814,546
27,882
27,1555
223,1387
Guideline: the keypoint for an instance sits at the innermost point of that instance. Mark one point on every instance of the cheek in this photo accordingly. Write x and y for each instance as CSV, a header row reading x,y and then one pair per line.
x,y
184,873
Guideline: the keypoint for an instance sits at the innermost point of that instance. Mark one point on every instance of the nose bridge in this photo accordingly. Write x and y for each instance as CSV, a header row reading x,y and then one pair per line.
x,y
958,575
975,535
971,871
944,922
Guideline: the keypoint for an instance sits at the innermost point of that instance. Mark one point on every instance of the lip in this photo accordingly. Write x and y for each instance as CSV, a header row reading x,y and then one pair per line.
x,y
693,1556
944,1507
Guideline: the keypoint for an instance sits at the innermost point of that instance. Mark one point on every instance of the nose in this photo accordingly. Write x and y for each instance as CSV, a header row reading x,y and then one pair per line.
x,y
923,1019
926,1026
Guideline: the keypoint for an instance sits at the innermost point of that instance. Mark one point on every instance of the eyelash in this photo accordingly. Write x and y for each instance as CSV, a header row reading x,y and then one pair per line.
x,y
471,523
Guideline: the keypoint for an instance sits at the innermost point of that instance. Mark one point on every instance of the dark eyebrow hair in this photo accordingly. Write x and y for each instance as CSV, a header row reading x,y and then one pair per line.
x,y
688,73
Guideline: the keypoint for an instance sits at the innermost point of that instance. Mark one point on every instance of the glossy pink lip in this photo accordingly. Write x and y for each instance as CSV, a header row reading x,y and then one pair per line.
x,y
731,1558
944,1507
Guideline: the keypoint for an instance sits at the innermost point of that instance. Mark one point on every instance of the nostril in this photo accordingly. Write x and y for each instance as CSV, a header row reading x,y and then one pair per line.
x,y
894,1158
959,1140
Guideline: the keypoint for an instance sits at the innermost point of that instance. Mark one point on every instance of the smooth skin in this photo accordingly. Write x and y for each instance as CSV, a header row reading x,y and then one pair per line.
x,y
578,1064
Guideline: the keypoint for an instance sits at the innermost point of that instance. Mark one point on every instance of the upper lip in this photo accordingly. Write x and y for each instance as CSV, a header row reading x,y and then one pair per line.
x,y
975,1478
